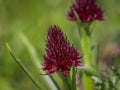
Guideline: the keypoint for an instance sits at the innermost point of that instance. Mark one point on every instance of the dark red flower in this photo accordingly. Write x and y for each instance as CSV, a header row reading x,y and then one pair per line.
x,y
61,56
86,10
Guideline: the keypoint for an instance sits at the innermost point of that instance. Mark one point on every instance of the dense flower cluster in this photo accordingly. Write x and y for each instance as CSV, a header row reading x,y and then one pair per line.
x,y
61,56
85,10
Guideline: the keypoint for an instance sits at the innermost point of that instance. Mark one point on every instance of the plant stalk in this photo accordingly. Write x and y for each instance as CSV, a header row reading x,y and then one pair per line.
x,y
87,57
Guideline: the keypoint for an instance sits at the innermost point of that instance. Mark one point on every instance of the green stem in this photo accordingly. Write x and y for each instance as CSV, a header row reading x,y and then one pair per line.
x,y
87,57
65,82
85,46
87,82
69,79
54,81
74,71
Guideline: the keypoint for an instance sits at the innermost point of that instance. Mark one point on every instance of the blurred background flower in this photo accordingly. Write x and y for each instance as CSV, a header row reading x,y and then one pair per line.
x,y
86,11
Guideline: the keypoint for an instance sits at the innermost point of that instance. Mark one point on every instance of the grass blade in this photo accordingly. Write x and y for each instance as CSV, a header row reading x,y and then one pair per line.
x,y
29,74
36,59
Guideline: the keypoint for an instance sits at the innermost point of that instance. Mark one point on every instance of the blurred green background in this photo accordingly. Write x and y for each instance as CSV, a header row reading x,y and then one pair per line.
x,y
32,18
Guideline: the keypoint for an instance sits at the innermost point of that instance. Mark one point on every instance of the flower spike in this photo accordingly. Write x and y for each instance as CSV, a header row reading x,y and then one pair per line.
x,y
60,56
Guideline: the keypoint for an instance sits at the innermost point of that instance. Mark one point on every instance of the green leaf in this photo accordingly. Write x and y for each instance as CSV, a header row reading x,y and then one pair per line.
x,y
22,66
90,70
37,61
